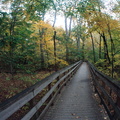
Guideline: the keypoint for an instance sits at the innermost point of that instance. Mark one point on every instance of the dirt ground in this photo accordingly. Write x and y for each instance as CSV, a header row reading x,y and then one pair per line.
x,y
11,85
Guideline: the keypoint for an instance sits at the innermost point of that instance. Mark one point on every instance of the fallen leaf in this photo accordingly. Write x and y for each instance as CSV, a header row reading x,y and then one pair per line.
x,y
73,114
105,118
77,117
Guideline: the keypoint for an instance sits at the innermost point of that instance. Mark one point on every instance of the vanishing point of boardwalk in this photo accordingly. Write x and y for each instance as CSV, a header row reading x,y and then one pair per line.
x,y
76,101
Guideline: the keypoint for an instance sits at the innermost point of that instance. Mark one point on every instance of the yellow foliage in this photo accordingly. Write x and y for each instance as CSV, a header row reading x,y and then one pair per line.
x,y
42,25
60,31
117,58
58,62
43,32
47,32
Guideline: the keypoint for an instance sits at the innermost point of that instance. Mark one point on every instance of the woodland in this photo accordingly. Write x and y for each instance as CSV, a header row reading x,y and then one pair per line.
x,y
31,46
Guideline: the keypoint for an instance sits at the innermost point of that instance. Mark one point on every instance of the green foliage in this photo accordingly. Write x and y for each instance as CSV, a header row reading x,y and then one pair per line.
x,y
26,40
27,80
7,78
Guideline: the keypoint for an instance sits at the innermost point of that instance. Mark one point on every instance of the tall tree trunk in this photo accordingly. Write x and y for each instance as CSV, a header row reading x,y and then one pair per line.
x,y
46,52
93,46
12,26
78,38
54,39
70,26
11,49
83,54
67,49
54,18
66,29
100,50
66,39
55,55
78,47
112,49
106,47
41,48
41,33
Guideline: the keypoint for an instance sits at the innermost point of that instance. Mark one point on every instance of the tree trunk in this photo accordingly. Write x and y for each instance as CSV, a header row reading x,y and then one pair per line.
x,y
93,47
66,40
100,50
67,49
112,49
106,48
12,26
78,47
78,38
54,39
47,53
55,55
41,48
70,25
83,54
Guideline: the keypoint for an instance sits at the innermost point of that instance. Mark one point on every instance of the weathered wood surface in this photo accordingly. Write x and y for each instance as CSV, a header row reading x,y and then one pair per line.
x,y
16,102
76,100
108,91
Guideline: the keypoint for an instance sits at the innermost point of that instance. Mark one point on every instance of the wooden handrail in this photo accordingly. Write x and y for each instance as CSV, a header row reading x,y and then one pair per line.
x,y
108,90
52,84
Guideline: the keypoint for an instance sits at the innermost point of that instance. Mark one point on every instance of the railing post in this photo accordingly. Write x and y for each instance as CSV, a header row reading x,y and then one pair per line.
x,y
58,78
103,86
110,92
69,76
94,84
32,103
49,87
118,101
50,97
65,79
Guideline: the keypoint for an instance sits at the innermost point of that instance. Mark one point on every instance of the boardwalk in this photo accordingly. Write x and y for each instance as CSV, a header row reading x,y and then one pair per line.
x,y
76,101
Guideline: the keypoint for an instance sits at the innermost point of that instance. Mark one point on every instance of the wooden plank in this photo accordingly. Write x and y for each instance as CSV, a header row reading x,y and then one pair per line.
x,y
117,111
109,81
40,103
16,103
51,101
118,101
55,95
14,107
112,86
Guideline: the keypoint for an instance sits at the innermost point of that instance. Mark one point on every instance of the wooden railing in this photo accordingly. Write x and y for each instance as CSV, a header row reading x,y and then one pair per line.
x,y
36,99
108,91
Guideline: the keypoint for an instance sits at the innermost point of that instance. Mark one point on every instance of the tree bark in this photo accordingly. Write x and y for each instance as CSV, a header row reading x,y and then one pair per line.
x,y
83,54
100,50
54,38
78,47
112,49
55,54
41,48
106,48
93,46
70,26
66,39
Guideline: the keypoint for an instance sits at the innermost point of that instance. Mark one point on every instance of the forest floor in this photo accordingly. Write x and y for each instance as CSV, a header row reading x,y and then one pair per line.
x,y
9,86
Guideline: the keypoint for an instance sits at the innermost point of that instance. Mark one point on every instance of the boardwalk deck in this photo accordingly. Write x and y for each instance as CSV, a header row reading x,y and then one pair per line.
x,y
76,102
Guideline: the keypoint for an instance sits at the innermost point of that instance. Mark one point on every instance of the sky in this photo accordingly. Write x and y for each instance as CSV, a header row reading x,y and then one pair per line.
x,y
60,19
